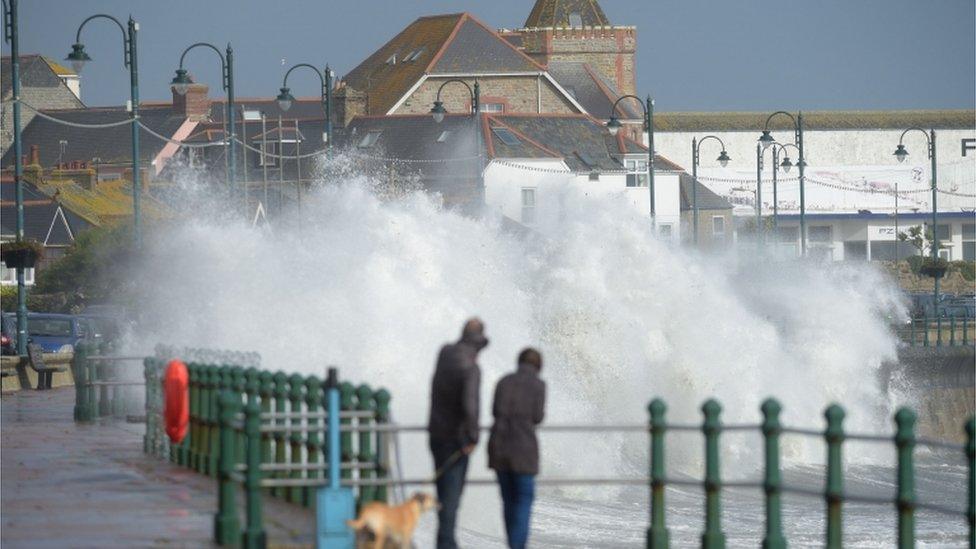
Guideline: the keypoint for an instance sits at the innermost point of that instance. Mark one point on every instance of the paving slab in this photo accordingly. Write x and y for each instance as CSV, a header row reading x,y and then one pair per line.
x,y
64,484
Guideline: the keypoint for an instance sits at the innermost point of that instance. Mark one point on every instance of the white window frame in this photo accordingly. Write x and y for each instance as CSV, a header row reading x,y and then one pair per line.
x,y
267,158
637,172
492,107
716,233
9,276
528,210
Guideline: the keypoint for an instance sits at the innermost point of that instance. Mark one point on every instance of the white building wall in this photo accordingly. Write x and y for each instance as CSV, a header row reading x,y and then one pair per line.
x,y
505,180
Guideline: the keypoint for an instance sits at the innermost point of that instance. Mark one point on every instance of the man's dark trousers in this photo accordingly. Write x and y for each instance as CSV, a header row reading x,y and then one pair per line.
x,y
518,491
450,484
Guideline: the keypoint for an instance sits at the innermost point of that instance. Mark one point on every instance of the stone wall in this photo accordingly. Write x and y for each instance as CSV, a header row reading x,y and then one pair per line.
x,y
520,94
608,50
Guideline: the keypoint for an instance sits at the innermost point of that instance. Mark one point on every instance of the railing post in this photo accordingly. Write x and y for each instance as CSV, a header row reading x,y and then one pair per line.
x,y
281,407
925,326
773,481
194,457
713,538
365,404
93,411
346,392
313,399
905,442
254,535
657,533
834,494
80,372
911,331
296,385
208,398
104,370
147,365
220,385
382,400
971,465
226,524
938,331
965,330
238,382
266,390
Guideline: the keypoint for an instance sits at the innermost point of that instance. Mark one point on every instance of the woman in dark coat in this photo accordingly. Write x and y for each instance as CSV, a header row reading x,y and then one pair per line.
x,y
513,450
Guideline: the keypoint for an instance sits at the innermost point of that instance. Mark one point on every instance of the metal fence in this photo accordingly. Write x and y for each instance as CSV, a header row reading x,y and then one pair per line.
x,y
102,388
938,332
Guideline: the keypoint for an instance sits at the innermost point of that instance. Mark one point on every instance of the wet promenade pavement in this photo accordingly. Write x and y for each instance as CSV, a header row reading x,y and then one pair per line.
x,y
69,485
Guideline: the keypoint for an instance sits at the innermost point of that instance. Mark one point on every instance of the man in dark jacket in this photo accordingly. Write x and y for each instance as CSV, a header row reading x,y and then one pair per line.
x,y
513,451
453,426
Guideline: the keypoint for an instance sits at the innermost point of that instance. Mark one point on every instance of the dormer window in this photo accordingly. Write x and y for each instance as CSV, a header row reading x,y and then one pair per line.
x,y
414,55
370,139
575,19
443,137
391,60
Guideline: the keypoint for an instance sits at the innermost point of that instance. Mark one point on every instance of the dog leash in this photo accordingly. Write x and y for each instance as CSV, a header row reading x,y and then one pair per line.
x,y
447,464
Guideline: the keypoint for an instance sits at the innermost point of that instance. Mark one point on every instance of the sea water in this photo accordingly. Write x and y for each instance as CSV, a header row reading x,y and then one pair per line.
x,y
375,286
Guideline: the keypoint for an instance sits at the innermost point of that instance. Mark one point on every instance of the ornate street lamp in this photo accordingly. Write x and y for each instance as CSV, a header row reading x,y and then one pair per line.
x,y
901,153
181,83
723,160
438,111
786,164
766,140
286,99
10,34
614,125
79,58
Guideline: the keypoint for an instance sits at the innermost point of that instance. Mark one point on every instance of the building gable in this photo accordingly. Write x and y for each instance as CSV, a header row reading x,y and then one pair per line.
x,y
476,49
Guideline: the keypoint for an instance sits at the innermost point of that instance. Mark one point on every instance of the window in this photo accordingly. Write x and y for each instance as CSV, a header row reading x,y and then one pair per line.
x,y
9,276
412,56
266,157
528,206
443,136
636,173
194,156
718,226
492,107
391,60
370,139
594,175
944,232
945,254
506,136
820,234
856,250
664,229
575,19
969,242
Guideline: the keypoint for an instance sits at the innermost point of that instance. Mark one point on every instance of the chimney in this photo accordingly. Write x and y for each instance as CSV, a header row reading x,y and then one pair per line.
x,y
35,155
195,104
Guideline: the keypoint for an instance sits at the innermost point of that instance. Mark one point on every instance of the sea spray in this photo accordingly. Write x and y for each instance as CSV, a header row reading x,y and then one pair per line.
x,y
376,286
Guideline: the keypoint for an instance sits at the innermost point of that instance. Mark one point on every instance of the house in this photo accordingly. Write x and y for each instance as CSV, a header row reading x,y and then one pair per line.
x,y
716,227
46,220
567,59
506,161
44,84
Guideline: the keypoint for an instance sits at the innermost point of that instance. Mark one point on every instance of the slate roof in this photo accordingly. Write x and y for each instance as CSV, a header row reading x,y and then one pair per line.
x,y
35,72
301,108
113,145
555,13
815,120
439,44
594,92
39,213
707,199
581,141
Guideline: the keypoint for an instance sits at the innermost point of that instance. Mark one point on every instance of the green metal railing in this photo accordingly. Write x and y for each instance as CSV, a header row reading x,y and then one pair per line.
x,y
103,382
283,456
834,495
938,332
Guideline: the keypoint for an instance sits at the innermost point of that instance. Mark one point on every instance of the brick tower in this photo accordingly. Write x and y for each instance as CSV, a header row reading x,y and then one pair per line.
x,y
578,30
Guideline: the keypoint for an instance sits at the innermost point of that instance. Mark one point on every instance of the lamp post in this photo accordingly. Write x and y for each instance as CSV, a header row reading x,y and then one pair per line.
x,y
901,153
285,98
787,165
766,139
723,160
614,125
10,33
438,111
79,58
181,83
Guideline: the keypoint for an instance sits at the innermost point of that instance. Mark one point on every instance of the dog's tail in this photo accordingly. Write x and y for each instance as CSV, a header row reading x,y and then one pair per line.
x,y
356,525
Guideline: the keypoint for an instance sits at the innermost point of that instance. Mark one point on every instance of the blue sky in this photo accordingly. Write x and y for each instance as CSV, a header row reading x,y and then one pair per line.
x,y
692,54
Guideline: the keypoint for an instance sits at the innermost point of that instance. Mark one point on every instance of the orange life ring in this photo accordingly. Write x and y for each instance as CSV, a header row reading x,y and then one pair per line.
x,y
176,412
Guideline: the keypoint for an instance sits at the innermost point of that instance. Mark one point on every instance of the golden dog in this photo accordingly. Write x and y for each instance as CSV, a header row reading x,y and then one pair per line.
x,y
390,524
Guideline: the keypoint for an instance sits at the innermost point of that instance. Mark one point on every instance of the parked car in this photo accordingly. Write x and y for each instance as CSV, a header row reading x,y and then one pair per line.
x,y
57,332
8,334
107,321
958,308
